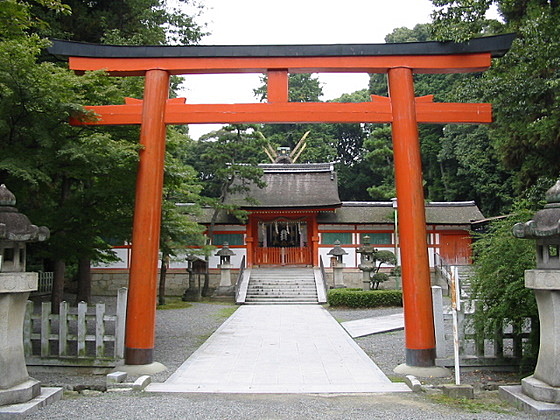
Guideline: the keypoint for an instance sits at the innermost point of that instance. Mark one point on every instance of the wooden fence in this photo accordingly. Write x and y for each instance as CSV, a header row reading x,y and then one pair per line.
x,y
503,349
79,336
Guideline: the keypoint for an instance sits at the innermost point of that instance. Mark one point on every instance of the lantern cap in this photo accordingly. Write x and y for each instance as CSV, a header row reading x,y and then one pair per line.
x,y
15,226
225,251
337,250
545,222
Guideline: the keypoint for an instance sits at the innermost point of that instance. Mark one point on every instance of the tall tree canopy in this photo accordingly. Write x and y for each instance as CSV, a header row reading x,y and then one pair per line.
x,y
77,181
524,85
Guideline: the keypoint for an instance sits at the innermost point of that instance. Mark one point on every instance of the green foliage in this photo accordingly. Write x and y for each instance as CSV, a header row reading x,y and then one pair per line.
x,y
498,286
356,298
130,22
78,181
523,86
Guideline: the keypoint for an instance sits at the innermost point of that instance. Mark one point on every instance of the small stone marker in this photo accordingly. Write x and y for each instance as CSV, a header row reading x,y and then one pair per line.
x,y
116,378
458,391
413,383
141,383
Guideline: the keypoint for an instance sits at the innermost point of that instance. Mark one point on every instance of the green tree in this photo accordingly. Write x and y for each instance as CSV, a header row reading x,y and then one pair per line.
x,y
126,22
77,181
178,227
524,85
498,286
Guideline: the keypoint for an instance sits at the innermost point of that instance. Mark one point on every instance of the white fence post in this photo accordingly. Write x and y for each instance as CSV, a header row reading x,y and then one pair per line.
x,y
100,330
82,329
45,329
63,329
437,301
120,322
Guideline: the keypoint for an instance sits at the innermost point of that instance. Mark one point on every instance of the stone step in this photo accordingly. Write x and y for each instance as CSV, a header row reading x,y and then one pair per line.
x,y
282,286
279,299
271,291
282,293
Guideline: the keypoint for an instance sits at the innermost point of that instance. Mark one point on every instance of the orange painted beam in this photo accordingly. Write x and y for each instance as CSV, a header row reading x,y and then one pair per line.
x,y
141,307
290,112
456,63
417,298
277,86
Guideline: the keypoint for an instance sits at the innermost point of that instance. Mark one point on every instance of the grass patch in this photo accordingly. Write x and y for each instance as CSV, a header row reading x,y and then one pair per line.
x,y
472,405
227,311
174,303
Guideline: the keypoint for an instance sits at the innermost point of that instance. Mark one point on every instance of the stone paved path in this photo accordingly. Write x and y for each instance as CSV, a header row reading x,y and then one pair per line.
x,y
376,325
279,349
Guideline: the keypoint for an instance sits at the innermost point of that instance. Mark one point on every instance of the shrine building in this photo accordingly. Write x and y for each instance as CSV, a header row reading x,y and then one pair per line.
x,y
296,219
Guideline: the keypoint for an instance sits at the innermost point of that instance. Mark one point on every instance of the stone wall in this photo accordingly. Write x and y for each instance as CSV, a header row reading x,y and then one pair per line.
x,y
106,282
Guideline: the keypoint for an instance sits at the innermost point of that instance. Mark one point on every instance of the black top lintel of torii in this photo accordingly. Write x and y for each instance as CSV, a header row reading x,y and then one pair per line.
x,y
496,45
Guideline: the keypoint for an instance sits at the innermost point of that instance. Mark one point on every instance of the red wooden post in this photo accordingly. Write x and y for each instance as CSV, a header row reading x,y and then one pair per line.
x,y
141,308
417,298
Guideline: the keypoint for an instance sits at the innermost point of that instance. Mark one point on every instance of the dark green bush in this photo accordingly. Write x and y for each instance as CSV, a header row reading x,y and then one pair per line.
x,y
357,298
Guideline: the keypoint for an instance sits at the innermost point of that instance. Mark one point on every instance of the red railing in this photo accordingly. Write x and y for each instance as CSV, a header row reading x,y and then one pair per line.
x,y
283,256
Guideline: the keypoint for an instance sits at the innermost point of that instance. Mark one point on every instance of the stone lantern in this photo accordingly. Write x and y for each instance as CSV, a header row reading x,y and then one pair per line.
x,y
544,384
225,288
15,284
338,264
367,261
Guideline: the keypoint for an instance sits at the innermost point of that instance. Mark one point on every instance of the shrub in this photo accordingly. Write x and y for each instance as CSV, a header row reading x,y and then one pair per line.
x,y
357,298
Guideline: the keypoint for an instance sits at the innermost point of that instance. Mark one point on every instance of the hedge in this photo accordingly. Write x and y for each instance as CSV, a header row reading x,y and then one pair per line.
x,y
357,298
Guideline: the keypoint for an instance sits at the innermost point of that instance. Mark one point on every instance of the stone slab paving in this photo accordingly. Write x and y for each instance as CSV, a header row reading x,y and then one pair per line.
x,y
279,349
368,326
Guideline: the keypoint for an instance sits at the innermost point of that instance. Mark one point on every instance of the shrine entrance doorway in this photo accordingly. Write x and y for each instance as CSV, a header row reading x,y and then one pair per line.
x,y
282,241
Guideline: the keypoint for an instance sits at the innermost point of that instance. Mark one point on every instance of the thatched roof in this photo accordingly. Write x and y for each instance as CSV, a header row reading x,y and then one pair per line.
x,y
293,186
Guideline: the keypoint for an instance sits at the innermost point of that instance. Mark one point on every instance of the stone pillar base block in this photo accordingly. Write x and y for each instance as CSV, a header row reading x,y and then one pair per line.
x,y
46,396
20,393
139,370
515,396
422,372
458,391
540,390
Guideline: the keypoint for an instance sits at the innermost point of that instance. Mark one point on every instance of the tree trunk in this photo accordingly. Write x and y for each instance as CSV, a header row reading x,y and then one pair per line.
x,y
162,275
84,280
57,294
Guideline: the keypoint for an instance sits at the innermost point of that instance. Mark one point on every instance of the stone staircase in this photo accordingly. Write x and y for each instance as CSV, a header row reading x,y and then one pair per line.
x,y
269,286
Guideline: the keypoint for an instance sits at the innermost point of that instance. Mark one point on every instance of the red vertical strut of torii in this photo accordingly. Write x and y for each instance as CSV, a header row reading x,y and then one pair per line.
x,y
402,109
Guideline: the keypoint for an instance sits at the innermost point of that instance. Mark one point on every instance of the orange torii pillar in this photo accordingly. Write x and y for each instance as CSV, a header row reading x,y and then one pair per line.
x,y
417,297
402,109
141,307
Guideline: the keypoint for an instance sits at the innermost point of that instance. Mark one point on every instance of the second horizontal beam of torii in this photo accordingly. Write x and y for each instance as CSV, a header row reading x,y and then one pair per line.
x,y
177,111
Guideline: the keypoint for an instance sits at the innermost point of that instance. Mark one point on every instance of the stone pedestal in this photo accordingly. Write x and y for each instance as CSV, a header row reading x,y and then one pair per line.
x,y
225,288
544,384
15,384
365,279
338,275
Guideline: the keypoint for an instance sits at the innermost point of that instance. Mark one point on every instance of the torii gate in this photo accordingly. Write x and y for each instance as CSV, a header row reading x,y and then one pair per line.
x,y
402,109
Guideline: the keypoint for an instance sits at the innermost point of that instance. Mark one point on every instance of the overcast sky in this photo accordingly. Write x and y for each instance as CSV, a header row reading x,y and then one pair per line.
x,y
258,22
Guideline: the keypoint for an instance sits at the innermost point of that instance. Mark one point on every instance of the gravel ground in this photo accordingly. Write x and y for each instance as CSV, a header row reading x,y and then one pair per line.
x,y
181,331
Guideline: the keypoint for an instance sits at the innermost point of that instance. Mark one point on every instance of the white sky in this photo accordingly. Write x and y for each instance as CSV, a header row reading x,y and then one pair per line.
x,y
258,22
